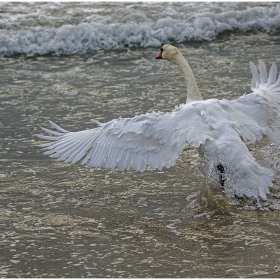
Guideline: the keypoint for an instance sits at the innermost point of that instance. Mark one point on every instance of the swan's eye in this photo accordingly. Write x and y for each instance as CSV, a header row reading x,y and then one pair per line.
x,y
161,50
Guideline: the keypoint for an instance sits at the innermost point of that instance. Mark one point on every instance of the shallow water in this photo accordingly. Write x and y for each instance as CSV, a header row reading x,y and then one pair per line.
x,y
61,220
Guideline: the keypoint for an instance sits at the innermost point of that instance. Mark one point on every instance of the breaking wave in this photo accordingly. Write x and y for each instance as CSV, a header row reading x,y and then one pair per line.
x,y
69,28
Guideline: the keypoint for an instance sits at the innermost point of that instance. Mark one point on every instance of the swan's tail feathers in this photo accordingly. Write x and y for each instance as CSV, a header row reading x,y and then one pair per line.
x,y
263,81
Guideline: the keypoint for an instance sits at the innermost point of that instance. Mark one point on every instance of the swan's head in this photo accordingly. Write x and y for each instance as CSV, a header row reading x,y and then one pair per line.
x,y
168,52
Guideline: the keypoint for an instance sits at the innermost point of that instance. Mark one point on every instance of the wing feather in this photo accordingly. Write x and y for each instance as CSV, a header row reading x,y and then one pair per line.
x,y
272,75
277,84
57,127
155,139
269,108
263,73
255,73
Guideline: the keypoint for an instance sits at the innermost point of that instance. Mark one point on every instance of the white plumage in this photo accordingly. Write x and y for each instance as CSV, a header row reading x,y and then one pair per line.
x,y
157,139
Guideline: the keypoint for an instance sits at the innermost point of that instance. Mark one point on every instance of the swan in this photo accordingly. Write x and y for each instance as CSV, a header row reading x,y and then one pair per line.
x,y
219,128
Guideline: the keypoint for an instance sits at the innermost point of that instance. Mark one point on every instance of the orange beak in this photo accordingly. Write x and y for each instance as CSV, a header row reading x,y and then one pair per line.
x,y
159,56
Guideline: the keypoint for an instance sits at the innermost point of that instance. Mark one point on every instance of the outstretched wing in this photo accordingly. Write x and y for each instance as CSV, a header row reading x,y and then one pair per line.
x,y
155,139
257,113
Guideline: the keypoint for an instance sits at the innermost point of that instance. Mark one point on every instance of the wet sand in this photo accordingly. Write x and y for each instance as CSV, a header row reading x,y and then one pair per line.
x,y
61,220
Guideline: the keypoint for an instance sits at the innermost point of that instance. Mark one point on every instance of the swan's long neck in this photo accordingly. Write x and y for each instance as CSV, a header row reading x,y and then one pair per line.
x,y
193,93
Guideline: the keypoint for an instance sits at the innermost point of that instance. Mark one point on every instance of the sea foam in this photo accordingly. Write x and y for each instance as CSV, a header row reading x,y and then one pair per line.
x,y
69,28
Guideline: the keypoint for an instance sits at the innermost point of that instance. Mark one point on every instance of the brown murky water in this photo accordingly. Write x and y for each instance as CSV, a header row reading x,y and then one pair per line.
x,y
61,220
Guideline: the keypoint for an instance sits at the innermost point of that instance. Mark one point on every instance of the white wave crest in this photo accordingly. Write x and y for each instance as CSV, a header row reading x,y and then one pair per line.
x,y
68,28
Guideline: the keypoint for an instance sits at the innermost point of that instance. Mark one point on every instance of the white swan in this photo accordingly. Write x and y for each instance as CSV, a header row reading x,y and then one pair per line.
x,y
157,139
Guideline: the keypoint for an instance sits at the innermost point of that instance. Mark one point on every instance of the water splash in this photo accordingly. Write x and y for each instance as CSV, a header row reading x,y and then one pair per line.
x,y
267,156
